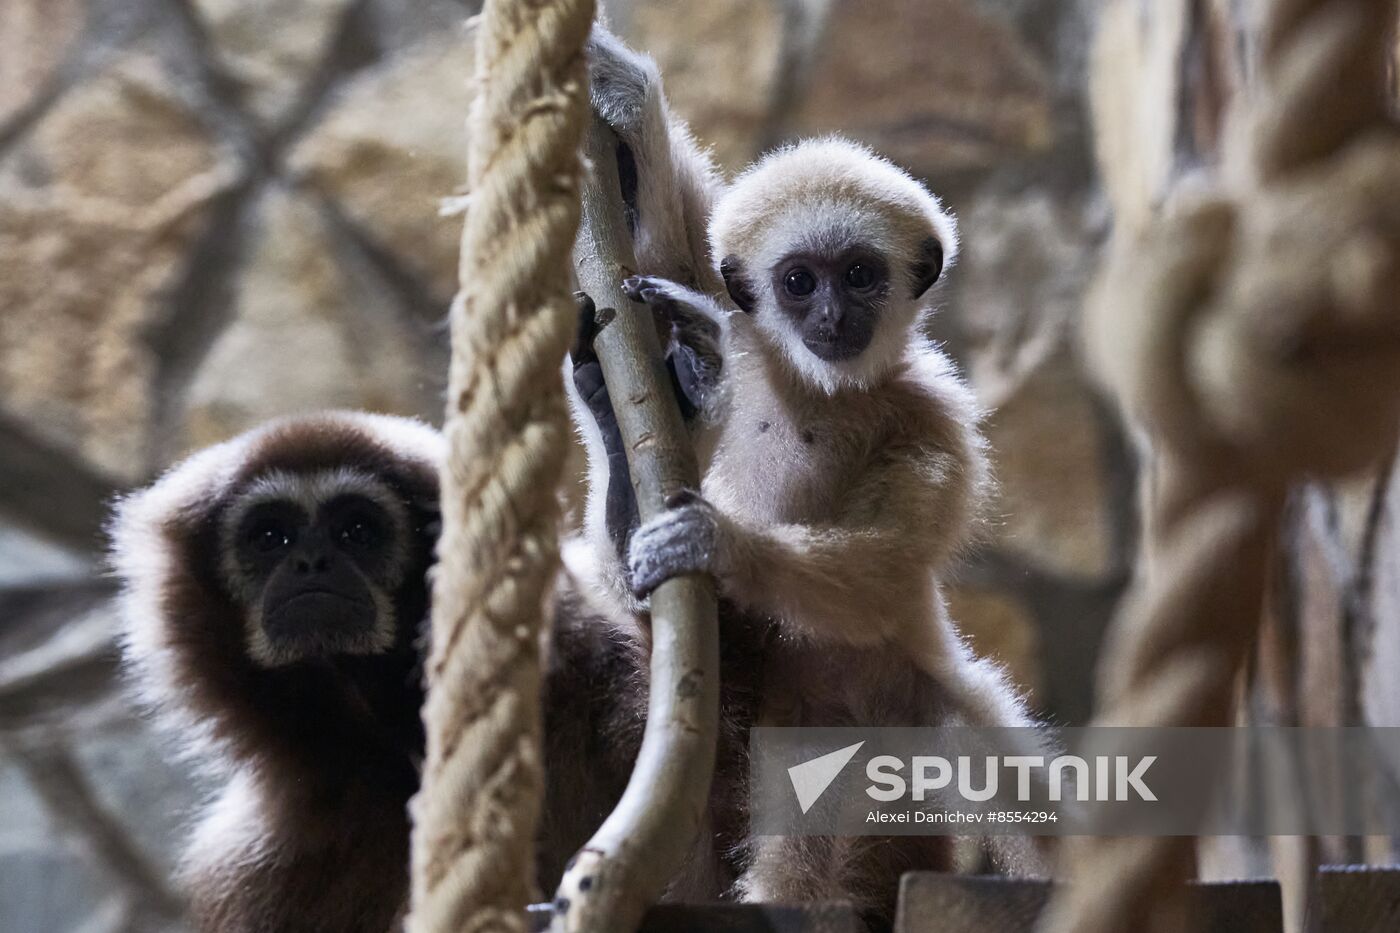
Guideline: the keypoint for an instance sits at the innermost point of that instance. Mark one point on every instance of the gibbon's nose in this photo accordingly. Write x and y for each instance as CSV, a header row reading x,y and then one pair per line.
x,y
312,555
311,562
829,317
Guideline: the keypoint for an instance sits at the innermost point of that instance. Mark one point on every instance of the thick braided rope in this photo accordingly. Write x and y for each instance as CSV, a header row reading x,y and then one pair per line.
x,y
507,432
1257,338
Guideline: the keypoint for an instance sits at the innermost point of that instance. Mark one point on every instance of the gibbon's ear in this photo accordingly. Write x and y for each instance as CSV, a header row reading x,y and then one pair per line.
x,y
927,268
739,290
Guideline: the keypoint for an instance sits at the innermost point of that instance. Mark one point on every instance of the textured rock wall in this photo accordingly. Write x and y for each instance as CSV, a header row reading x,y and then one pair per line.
x,y
216,211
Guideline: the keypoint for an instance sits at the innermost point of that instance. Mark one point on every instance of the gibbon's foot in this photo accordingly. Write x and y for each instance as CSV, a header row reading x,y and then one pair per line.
x,y
620,509
587,370
587,314
620,83
683,539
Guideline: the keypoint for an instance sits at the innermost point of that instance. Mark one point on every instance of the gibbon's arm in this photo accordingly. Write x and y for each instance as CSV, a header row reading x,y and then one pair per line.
x,y
677,302
857,579
669,183
694,352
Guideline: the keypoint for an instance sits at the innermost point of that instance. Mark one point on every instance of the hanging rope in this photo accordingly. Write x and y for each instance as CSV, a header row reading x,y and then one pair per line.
x,y
507,431
1256,338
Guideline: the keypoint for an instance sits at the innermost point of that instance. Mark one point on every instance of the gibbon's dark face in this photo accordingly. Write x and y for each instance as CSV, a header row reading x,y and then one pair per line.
x,y
324,559
833,298
316,560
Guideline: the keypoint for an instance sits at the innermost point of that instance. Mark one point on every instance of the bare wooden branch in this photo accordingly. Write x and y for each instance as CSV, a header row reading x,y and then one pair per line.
x,y
628,862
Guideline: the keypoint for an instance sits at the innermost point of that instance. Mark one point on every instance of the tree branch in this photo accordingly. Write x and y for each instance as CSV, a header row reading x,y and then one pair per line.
x,y
630,859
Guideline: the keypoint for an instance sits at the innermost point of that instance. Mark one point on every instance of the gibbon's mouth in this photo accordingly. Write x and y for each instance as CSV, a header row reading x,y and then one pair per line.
x,y
319,615
326,595
835,351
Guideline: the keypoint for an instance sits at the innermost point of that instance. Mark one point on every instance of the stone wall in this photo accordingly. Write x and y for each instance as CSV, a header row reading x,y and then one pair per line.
x,y
216,211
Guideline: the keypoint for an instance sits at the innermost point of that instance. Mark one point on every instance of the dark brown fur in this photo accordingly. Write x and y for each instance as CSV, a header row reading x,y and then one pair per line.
x,y
595,712
311,833
323,753
597,682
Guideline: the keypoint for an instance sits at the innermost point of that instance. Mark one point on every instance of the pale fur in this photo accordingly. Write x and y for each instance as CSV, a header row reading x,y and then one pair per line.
x,y
815,196
259,829
829,183
841,491
232,834
865,496
680,181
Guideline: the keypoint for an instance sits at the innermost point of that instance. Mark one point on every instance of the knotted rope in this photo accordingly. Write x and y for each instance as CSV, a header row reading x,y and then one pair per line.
x,y
1256,337
507,431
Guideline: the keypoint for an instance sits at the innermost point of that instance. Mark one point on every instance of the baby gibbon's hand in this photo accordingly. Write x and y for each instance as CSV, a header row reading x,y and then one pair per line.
x,y
684,539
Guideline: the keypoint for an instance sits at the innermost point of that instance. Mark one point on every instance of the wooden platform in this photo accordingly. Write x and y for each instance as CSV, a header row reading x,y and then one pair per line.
x,y
1345,899
937,903
1355,899
739,918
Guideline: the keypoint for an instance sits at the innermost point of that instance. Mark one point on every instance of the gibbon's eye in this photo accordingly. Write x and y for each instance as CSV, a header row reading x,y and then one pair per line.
x,y
270,535
359,531
799,283
860,275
